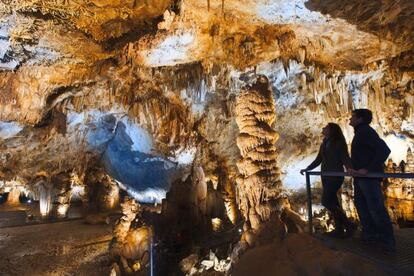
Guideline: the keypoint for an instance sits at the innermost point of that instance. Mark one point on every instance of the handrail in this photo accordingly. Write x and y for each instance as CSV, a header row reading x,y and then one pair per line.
x,y
368,175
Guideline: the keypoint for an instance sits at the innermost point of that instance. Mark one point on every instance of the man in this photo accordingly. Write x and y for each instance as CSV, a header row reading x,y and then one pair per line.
x,y
368,154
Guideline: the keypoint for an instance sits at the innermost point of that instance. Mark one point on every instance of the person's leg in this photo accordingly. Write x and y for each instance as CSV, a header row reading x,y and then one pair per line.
x,y
330,201
341,220
367,222
371,188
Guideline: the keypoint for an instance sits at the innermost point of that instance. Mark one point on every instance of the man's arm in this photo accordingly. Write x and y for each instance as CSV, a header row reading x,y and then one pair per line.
x,y
380,149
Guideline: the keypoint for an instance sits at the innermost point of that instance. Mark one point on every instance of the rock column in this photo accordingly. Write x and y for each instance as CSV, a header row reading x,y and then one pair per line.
x,y
44,189
13,197
258,184
63,198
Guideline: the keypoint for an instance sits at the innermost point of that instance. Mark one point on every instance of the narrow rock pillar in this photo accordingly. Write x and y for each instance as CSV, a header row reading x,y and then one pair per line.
x,y
258,184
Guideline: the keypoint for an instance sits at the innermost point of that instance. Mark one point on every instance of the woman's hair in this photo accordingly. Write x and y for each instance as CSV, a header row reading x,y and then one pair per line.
x,y
335,133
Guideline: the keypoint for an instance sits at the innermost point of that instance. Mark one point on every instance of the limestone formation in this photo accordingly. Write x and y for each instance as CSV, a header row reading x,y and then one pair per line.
x,y
258,185
101,19
13,197
131,244
129,211
44,193
186,202
399,193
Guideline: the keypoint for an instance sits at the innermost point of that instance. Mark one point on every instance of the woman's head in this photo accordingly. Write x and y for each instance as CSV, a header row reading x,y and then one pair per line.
x,y
333,132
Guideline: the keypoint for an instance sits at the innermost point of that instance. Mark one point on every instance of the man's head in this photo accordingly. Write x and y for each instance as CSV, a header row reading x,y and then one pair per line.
x,y
360,116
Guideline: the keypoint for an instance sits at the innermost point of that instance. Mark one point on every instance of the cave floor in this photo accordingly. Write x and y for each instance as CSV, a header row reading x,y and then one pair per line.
x,y
399,263
59,248
75,248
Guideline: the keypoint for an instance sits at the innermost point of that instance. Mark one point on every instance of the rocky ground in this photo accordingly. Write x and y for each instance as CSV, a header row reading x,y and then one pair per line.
x,y
300,254
63,248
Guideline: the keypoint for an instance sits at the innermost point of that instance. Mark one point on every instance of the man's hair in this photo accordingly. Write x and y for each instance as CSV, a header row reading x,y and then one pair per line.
x,y
364,114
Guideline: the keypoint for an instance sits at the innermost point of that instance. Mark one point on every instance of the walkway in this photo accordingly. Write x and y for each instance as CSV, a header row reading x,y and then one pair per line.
x,y
400,263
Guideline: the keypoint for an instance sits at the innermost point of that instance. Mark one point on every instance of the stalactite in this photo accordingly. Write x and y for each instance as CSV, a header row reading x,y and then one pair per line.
x,y
303,82
229,198
302,54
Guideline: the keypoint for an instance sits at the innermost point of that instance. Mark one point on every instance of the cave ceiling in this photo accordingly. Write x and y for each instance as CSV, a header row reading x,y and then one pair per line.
x,y
81,79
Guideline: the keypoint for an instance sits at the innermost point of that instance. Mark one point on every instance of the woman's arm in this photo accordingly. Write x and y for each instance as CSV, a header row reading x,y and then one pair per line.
x,y
344,156
317,161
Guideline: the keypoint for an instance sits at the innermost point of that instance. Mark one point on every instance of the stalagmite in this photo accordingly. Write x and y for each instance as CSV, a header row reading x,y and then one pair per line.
x,y
131,243
44,190
63,198
109,197
229,197
130,208
409,167
258,185
13,197
200,191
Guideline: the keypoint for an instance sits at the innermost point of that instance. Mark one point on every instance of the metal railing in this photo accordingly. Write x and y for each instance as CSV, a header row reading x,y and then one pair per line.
x,y
369,175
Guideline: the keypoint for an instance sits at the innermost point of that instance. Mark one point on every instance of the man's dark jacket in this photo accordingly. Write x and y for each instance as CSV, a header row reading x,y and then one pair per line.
x,y
368,150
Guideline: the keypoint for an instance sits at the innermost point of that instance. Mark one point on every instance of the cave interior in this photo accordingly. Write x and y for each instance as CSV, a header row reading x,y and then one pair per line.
x,y
165,137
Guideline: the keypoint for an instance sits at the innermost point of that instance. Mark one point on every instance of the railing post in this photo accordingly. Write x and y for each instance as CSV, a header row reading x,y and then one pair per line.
x,y
309,196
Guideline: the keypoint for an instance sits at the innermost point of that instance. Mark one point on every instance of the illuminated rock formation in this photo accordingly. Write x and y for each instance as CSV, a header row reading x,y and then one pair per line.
x,y
259,185
63,199
131,244
129,211
409,167
44,193
63,184
13,197
101,19
399,193
102,193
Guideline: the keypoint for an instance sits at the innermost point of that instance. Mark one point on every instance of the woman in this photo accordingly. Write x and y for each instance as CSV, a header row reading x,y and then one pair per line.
x,y
333,155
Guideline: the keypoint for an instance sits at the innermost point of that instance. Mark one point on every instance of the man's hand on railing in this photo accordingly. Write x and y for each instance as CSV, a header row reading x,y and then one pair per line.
x,y
357,172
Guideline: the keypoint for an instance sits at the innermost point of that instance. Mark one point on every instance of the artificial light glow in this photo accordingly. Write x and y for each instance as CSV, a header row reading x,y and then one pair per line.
x,y
231,211
216,224
62,210
45,200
